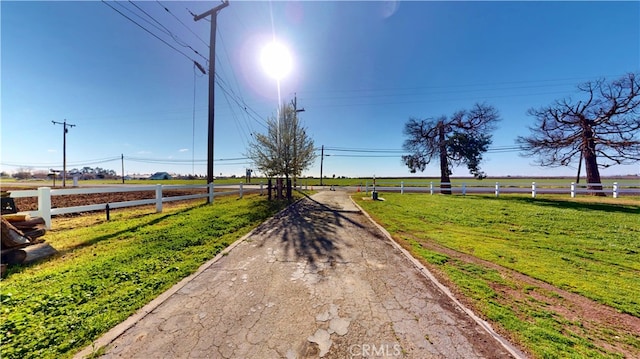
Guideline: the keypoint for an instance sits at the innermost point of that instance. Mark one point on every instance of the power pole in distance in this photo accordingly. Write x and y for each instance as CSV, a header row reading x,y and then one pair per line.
x,y
295,135
321,160
212,76
64,148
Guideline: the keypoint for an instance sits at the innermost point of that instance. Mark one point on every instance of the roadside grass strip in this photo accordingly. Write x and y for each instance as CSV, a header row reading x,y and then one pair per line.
x,y
589,247
105,271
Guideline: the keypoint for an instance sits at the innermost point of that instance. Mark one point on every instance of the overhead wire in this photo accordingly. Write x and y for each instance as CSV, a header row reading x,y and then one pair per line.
x,y
148,31
224,89
227,92
136,14
235,79
175,38
412,88
243,135
183,24
54,164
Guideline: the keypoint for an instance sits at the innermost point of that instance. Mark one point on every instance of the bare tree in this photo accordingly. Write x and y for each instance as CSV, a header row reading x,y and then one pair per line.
x,y
285,149
461,139
23,173
604,124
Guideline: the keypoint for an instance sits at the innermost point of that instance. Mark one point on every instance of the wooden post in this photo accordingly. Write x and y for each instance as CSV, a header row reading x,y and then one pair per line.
x,y
615,189
44,205
240,189
533,190
431,188
573,190
401,187
210,188
158,198
497,189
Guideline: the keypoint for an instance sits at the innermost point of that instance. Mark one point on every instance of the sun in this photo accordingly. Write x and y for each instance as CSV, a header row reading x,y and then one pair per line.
x,y
276,60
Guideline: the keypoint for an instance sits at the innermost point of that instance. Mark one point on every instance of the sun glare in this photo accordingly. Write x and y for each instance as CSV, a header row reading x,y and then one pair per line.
x,y
276,60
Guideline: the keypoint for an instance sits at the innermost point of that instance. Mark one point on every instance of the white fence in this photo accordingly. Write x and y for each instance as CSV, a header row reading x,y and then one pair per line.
x,y
615,189
44,195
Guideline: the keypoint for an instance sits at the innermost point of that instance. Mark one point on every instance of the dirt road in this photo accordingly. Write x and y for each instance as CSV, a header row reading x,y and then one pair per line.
x,y
317,280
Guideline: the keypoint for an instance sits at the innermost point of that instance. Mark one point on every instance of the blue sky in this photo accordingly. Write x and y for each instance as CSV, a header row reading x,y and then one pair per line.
x,y
361,70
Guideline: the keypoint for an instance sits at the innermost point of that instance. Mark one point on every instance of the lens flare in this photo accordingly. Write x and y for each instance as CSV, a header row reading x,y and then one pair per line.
x,y
276,60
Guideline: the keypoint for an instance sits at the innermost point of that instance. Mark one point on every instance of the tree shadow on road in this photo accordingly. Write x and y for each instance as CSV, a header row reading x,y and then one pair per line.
x,y
311,231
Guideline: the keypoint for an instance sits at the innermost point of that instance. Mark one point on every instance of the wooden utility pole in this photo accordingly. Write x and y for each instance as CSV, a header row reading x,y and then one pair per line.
x,y
295,136
64,149
122,160
212,77
579,167
321,160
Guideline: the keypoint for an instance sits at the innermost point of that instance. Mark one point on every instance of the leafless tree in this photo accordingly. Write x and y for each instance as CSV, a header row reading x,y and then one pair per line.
x,y
460,139
285,149
603,128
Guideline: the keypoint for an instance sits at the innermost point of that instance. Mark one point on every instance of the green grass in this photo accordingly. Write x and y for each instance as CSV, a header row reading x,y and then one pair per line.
x,y
586,247
107,270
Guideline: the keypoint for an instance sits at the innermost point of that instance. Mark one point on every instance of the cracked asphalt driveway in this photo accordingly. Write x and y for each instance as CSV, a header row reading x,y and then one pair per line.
x,y
317,280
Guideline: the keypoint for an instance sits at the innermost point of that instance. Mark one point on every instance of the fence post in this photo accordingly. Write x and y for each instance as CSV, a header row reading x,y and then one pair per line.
x,y
44,205
497,189
210,188
401,187
464,189
573,189
158,198
615,189
240,189
261,191
533,190
431,187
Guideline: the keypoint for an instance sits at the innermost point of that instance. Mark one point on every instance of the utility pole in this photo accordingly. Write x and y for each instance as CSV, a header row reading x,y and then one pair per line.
x,y
295,136
321,160
579,167
122,159
212,76
64,148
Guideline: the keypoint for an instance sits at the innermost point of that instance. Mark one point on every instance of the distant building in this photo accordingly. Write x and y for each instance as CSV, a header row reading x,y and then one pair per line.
x,y
160,176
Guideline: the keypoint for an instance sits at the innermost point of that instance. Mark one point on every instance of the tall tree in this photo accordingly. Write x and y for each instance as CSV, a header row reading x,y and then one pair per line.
x,y
285,149
604,124
456,140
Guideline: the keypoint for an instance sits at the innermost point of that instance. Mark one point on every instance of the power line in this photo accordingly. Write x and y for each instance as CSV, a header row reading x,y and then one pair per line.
x,y
477,98
175,38
166,31
235,79
367,156
119,3
244,107
145,29
51,164
462,85
235,120
374,152
183,24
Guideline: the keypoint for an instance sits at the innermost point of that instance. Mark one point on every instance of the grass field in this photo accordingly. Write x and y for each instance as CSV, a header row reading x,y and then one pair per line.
x,y
107,270
585,247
